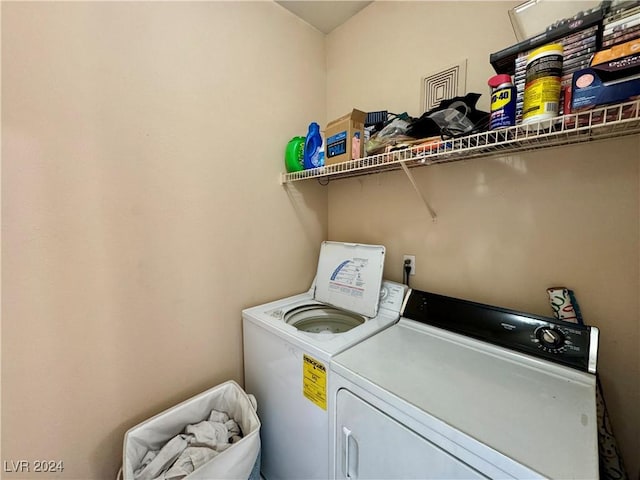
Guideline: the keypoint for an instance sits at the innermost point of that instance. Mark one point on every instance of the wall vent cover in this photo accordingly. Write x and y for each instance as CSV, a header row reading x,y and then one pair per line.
x,y
448,83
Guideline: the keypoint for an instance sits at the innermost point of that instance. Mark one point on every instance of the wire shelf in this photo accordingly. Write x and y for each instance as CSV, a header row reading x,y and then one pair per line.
x,y
602,123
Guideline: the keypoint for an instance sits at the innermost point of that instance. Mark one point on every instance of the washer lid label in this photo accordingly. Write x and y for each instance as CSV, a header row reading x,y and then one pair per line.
x,y
349,276
314,381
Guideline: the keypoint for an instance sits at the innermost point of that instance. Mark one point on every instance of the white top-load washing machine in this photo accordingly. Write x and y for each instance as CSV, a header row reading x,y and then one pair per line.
x,y
288,345
458,389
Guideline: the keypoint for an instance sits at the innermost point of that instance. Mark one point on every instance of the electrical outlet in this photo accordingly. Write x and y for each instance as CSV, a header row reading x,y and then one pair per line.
x,y
412,262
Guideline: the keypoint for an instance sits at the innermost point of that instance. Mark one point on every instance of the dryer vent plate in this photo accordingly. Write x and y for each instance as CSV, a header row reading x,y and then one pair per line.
x,y
444,84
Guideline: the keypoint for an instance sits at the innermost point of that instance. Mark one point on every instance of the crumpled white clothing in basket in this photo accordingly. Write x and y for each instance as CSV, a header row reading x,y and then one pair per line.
x,y
188,461
181,455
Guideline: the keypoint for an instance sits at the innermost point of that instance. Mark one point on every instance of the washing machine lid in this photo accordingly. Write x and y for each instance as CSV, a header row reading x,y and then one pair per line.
x,y
349,276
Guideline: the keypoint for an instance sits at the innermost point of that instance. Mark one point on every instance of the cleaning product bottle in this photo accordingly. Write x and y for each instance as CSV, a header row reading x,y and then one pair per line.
x,y
543,83
313,147
294,155
503,102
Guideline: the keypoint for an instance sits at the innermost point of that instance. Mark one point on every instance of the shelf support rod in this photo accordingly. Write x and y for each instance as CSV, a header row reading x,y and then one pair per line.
x,y
415,187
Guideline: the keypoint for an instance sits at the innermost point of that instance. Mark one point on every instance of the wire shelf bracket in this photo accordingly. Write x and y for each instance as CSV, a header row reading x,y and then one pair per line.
x,y
406,170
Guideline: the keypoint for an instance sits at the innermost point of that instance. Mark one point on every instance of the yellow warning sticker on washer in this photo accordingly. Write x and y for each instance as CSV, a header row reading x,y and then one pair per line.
x,y
314,381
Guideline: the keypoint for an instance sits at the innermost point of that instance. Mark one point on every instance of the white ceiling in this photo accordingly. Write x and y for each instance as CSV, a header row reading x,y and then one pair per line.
x,y
324,15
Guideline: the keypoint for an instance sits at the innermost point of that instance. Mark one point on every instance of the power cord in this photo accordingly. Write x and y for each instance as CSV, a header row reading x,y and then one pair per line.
x,y
407,271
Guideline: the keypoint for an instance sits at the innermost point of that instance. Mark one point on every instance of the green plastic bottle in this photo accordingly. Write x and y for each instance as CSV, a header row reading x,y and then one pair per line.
x,y
294,155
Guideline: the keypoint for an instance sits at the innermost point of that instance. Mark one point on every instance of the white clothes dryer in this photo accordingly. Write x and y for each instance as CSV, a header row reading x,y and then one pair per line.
x,y
458,389
288,344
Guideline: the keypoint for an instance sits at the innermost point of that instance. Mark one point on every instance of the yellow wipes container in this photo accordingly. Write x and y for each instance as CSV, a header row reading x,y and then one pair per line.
x,y
542,85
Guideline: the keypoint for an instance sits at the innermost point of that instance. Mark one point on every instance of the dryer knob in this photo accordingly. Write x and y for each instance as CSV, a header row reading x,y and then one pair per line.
x,y
550,337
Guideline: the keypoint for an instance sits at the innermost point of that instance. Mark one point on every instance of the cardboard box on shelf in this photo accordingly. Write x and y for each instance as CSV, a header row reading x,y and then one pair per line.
x,y
613,77
345,138
591,89
617,52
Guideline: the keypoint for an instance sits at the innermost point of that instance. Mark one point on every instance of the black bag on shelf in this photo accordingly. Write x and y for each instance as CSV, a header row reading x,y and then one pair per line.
x,y
454,117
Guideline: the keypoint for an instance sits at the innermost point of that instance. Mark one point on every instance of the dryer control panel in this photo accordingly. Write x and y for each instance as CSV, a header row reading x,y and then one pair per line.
x,y
565,343
392,296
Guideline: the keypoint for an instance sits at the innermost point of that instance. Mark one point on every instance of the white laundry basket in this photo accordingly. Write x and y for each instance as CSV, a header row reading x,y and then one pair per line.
x,y
240,461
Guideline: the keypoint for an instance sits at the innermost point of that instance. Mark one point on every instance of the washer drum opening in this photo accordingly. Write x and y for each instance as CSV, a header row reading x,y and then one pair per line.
x,y
322,319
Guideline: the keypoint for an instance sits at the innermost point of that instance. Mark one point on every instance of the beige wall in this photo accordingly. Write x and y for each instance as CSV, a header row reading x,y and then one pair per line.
x,y
509,226
141,210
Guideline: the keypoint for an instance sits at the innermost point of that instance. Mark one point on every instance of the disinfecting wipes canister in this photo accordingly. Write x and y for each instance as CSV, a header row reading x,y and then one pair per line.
x,y
542,85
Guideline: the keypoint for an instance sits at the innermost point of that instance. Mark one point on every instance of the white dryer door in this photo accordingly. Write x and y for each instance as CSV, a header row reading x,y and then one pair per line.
x,y
372,445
